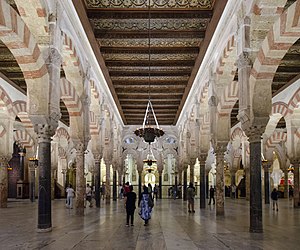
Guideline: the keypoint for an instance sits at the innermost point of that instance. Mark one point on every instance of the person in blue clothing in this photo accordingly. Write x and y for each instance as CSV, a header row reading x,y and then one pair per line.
x,y
145,209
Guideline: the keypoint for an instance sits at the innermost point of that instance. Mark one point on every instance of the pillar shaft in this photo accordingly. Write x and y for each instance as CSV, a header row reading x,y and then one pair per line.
x,y
80,180
286,183
32,183
202,159
184,183
140,182
115,185
247,175
160,185
22,166
296,184
3,182
107,182
255,184
267,183
220,182
97,182
44,133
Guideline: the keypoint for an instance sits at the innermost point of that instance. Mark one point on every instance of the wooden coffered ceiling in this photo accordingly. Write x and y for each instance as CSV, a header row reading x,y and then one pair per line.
x,y
156,50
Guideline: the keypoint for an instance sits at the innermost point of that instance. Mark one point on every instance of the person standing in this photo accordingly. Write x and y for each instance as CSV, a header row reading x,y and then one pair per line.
x,y
233,190
274,197
121,191
155,191
144,200
130,200
190,197
88,195
211,195
70,195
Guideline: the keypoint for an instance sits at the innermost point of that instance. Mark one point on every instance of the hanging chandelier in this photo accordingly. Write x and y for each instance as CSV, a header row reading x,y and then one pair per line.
x,y
149,161
147,132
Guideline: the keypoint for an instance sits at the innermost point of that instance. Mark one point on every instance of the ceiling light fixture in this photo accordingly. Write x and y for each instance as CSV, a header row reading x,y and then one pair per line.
x,y
147,132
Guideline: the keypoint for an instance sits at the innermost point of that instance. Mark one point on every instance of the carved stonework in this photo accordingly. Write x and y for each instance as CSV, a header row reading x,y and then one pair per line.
x,y
167,42
44,132
244,60
158,57
255,133
161,24
200,4
153,78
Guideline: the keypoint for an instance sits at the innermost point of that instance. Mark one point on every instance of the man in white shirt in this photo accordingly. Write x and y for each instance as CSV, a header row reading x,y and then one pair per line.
x,y
88,194
70,194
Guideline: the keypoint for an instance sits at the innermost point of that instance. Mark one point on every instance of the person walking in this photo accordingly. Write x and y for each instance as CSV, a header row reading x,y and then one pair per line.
x,y
190,197
130,200
70,195
88,195
103,191
121,191
274,197
233,190
145,207
155,191
211,195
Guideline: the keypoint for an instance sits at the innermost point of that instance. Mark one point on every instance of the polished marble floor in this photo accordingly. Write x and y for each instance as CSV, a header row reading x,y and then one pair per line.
x,y
171,227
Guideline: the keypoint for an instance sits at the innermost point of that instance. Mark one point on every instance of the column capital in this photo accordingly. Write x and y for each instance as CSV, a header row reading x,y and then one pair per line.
x,y
244,60
202,157
255,132
44,132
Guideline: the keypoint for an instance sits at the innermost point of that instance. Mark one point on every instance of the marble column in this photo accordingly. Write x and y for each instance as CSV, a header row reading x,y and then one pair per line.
x,y
192,170
97,182
3,181
80,180
220,150
266,166
296,183
140,183
256,225
114,184
202,160
160,184
232,174
22,155
44,133
184,183
107,181
286,183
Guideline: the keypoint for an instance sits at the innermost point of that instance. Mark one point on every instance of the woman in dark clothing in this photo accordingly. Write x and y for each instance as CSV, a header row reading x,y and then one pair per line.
x,y
130,200
146,209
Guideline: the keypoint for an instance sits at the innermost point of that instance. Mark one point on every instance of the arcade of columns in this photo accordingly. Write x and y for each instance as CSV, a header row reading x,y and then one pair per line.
x,y
96,138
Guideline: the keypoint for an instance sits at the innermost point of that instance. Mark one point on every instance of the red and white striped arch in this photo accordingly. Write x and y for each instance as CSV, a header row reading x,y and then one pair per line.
x,y
62,133
227,57
5,101
94,126
19,40
237,133
94,90
34,13
295,100
24,138
284,33
280,108
70,98
276,138
20,109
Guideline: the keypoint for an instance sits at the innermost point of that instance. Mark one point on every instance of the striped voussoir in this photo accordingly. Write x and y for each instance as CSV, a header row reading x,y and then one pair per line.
x,y
62,133
24,138
229,98
275,139
70,98
4,97
237,133
94,126
94,89
228,56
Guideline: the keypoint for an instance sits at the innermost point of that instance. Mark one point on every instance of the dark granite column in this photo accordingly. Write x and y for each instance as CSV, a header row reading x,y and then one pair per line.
x,y
296,183
192,170
202,160
3,181
266,181
80,180
44,133
114,184
184,183
97,182
32,168
255,183
220,197
207,183
160,185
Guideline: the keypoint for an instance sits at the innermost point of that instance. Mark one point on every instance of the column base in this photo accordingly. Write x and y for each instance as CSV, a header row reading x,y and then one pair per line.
x,y
44,230
256,230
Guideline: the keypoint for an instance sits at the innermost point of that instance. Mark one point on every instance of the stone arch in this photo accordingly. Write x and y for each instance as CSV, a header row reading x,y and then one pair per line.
x,y
70,98
35,15
273,142
94,126
20,109
237,132
280,108
21,43
71,64
24,138
4,97
284,33
62,133
294,100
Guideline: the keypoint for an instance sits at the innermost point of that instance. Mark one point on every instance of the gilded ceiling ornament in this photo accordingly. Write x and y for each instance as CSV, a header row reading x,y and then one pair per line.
x,y
153,78
146,56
